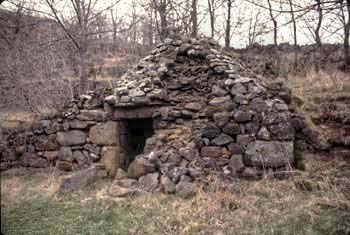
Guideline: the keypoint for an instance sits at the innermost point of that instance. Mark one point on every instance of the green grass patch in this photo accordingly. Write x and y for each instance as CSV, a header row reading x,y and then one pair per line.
x,y
45,216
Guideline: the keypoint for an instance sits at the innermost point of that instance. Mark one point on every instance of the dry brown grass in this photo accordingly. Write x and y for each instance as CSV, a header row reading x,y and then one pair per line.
x,y
319,84
22,183
316,89
298,205
15,119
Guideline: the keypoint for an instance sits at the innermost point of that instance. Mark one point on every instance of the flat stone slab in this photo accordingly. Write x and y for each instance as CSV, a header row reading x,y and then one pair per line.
x,y
71,138
125,188
105,133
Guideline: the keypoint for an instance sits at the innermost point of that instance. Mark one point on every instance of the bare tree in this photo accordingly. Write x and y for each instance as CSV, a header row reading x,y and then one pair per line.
x,y
116,22
150,28
82,10
274,22
213,6
251,29
292,13
85,13
319,23
256,28
134,20
345,20
162,8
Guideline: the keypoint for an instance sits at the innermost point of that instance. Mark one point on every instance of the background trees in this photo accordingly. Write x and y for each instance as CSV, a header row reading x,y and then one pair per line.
x,y
84,14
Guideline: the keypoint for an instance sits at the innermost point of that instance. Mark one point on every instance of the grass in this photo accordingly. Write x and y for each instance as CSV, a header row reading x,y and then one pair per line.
x,y
317,85
15,119
29,205
323,95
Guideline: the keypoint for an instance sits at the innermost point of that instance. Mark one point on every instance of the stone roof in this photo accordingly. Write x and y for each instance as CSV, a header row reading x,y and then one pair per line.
x,y
184,70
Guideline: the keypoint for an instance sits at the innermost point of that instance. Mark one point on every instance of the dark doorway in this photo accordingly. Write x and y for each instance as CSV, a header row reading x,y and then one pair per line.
x,y
133,137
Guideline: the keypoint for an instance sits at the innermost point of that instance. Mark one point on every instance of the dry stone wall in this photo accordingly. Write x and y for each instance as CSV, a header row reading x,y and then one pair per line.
x,y
208,118
76,138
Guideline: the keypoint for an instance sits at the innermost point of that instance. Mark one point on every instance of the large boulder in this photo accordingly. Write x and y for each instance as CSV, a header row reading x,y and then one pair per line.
x,y
105,133
140,167
69,138
110,160
269,154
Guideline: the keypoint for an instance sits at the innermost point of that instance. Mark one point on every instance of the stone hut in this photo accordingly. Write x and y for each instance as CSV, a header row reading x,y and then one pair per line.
x,y
186,110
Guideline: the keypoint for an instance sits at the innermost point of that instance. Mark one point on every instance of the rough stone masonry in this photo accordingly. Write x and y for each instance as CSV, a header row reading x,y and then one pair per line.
x,y
209,117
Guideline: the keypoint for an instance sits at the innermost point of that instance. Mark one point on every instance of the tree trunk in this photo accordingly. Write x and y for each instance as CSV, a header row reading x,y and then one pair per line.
x,y
274,24
212,17
82,64
194,19
293,22
82,18
150,31
319,24
114,23
163,21
114,33
294,33
346,39
228,25
346,49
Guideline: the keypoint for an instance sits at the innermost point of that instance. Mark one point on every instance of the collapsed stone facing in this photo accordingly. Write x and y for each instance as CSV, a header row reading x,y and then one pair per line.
x,y
208,119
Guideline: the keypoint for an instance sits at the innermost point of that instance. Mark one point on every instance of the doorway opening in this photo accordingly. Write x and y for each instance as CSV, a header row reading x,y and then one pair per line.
x,y
133,137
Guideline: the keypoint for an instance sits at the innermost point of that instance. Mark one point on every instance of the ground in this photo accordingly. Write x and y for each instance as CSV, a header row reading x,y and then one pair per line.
x,y
316,201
